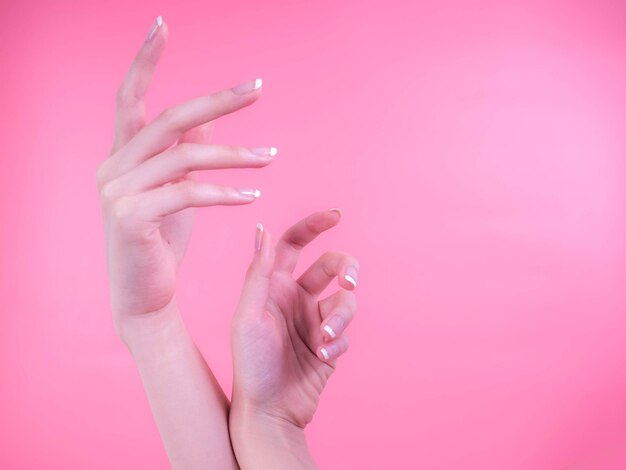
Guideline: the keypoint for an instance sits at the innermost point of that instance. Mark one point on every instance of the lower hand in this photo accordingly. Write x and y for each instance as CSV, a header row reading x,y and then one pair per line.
x,y
286,340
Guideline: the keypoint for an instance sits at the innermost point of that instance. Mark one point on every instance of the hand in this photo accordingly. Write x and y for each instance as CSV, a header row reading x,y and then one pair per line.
x,y
146,187
285,339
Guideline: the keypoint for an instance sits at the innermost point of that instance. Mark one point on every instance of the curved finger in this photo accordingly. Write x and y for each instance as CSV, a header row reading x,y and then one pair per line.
x,y
328,266
330,351
337,312
177,162
130,112
172,123
302,233
153,206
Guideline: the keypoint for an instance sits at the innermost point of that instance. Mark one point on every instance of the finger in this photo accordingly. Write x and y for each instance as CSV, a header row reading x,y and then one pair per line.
x,y
337,311
330,351
172,123
154,205
299,235
130,111
328,266
258,276
177,162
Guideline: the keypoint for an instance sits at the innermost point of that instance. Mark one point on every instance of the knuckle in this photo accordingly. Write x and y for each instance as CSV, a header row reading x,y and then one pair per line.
x,y
168,117
121,213
188,191
329,256
108,193
349,297
233,151
219,100
124,96
187,154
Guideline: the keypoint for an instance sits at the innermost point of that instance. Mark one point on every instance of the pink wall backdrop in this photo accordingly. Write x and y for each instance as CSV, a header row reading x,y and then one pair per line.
x,y
477,150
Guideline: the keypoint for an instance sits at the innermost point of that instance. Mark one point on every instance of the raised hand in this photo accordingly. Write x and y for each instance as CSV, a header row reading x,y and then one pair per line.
x,y
285,343
147,192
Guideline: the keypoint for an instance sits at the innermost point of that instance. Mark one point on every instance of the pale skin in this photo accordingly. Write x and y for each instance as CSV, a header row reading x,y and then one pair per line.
x,y
285,338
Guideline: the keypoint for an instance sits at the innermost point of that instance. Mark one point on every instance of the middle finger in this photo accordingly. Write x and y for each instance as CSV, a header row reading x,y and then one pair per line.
x,y
177,162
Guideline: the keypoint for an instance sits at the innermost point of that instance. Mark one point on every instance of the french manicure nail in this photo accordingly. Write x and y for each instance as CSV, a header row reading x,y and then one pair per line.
x,y
325,353
251,192
155,27
247,87
328,329
351,276
258,239
264,151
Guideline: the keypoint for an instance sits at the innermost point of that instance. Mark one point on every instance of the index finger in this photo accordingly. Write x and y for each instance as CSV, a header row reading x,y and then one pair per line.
x,y
130,112
292,242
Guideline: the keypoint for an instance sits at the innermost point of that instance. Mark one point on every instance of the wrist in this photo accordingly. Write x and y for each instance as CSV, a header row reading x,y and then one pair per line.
x,y
262,439
147,327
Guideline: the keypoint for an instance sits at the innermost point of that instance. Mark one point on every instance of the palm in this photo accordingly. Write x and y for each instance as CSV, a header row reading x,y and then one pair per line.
x,y
146,274
283,348
282,358
160,252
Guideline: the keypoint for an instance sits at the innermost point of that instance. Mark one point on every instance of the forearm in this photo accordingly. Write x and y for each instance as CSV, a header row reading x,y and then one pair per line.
x,y
189,406
261,441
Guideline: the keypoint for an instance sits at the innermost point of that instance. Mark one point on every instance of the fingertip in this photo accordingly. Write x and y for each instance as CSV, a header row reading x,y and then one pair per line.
x,y
258,238
337,211
323,354
328,332
158,28
332,350
263,248
350,278
321,221
250,88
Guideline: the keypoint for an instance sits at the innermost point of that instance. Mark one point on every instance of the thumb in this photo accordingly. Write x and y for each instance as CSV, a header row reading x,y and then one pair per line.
x,y
259,274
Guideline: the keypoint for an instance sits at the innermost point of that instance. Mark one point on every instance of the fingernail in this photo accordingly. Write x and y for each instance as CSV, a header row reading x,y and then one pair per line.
x,y
337,210
325,353
247,87
251,192
334,325
258,239
155,27
264,151
351,276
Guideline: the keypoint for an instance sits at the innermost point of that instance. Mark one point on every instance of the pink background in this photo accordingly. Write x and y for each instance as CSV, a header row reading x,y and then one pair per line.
x,y
477,150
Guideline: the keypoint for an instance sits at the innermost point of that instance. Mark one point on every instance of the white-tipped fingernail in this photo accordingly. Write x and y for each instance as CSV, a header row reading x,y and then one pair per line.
x,y
330,331
251,192
325,353
351,275
264,151
155,27
247,87
258,239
